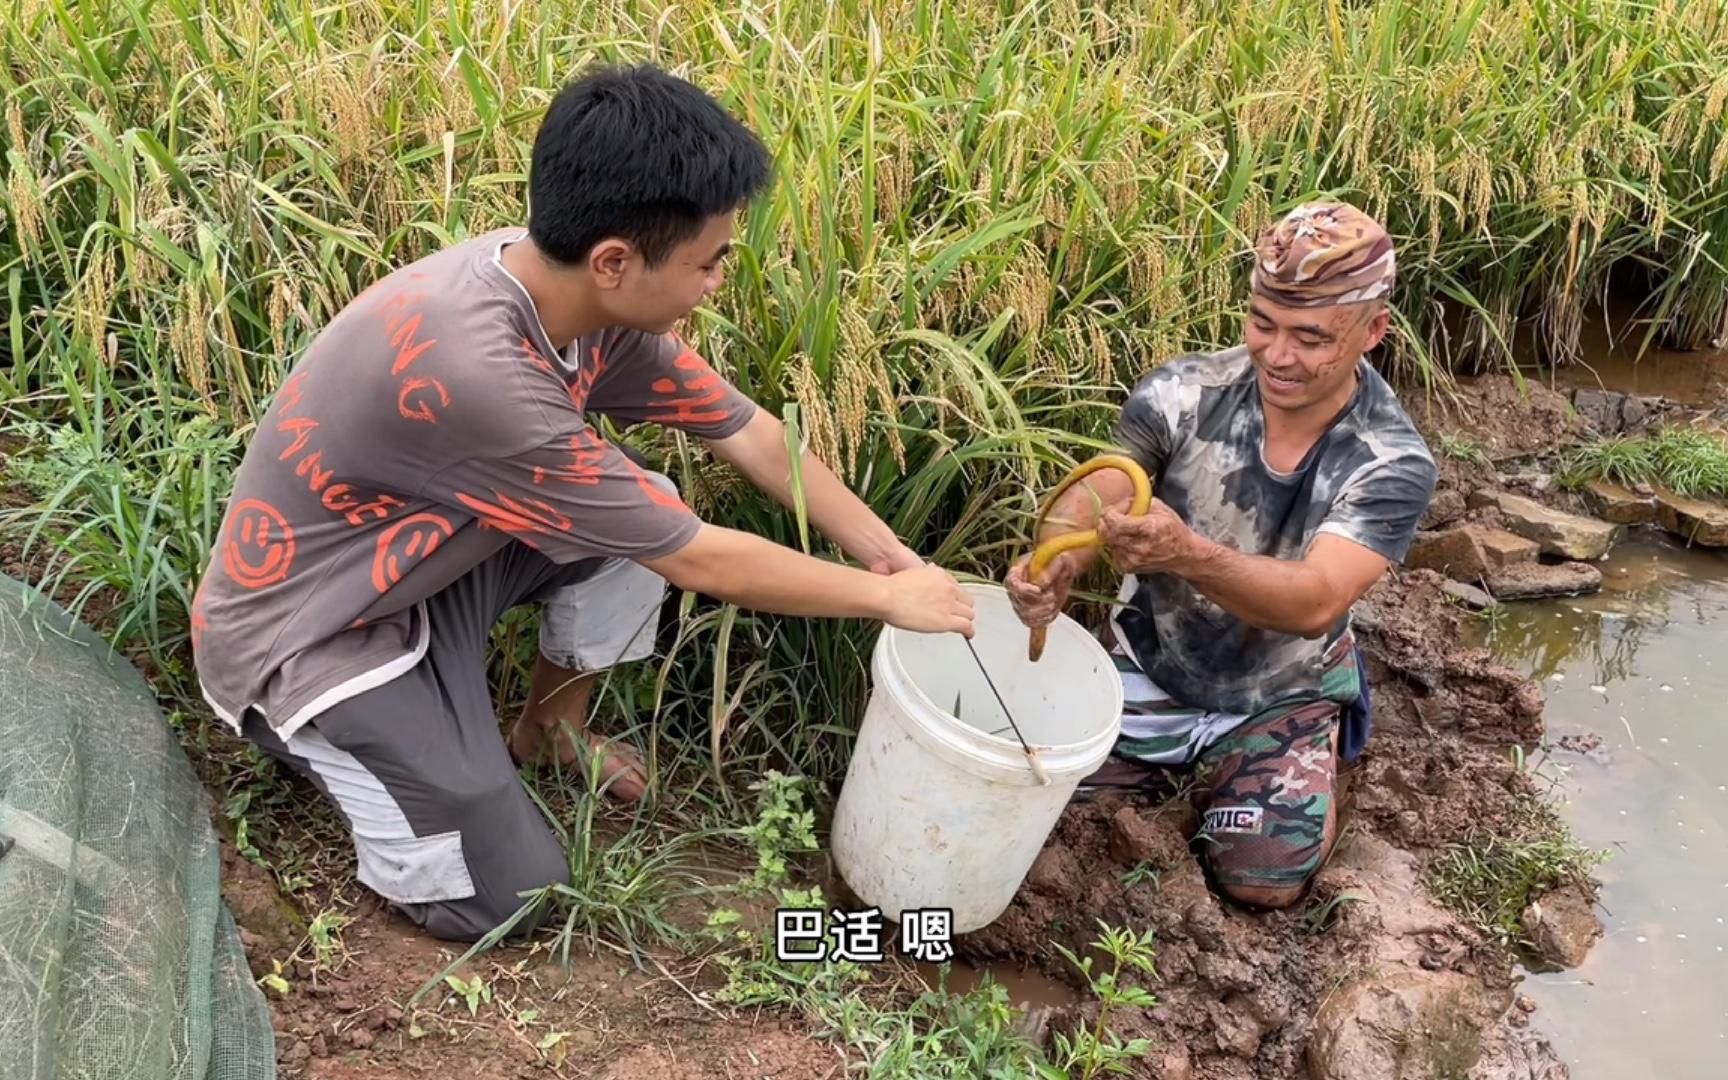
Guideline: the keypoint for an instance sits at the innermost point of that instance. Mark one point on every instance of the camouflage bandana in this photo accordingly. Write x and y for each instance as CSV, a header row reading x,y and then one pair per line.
x,y
1323,254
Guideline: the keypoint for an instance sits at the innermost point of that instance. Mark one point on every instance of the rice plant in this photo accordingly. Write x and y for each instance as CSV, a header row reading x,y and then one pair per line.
x,y
988,220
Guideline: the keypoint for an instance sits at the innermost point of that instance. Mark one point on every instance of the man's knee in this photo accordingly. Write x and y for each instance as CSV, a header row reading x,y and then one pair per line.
x,y
483,856
1267,897
513,888
1261,866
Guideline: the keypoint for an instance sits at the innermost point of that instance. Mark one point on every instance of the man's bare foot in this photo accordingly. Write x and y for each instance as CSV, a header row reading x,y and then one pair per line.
x,y
556,718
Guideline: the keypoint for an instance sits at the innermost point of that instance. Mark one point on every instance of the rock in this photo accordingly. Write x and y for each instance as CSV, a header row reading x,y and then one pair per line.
x,y
1406,1023
1568,536
1235,1027
1221,972
1445,508
1469,552
1174,1065
1532,581
1615,504
1468,595
1504,548
1134,840
1611,413
1563,926
1696,522
1600,409
1453,553
1204,924
1052,869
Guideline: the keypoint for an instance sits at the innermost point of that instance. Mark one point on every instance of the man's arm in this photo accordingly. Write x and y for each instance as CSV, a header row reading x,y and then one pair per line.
x,y
759,452
1306,596
761,575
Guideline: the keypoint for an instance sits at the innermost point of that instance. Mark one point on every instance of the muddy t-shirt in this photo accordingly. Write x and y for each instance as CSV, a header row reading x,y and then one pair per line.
x,y
1197,427
430,423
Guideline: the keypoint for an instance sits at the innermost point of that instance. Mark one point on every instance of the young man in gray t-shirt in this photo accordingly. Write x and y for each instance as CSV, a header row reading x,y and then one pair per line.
x,y
429,465
1287,478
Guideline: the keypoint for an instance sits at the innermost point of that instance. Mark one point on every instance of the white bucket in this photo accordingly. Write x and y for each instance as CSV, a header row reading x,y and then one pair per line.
x,y
939,812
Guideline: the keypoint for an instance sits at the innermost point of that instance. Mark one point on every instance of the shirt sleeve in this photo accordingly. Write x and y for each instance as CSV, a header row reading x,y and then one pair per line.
x,y
657,378
1381,506
1147,427
574,497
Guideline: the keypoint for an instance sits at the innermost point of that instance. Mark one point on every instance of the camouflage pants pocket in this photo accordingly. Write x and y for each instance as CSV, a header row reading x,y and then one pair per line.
x,y
1267,798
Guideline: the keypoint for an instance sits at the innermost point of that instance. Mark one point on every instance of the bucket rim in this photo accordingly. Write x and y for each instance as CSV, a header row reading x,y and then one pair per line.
x,y
950,728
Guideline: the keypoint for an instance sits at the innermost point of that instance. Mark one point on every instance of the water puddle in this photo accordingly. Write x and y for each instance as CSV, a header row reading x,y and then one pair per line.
x,y
1611,362
1028,989
1636,679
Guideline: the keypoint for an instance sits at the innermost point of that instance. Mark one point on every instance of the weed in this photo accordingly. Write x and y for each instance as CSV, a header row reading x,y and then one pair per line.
x,y
1491,877
1688,461
1320,918
1142,872
1099,1050
474,991
1465,449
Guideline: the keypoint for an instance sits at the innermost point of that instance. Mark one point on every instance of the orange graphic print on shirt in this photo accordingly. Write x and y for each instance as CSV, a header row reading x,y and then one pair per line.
x,y
405,543
259,549
523,518
693,398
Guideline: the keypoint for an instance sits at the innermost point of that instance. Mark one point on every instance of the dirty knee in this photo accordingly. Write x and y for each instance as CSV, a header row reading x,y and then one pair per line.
x,y
1270,897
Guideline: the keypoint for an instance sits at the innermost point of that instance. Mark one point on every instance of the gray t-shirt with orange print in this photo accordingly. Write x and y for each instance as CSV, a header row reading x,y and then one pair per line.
x,y
430,423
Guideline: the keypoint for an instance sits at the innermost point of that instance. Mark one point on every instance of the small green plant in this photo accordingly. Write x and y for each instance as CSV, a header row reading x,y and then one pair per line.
x,y
1142,873
475,991
1465,449
1320,918
783,827
1099,1050
325,932
275,981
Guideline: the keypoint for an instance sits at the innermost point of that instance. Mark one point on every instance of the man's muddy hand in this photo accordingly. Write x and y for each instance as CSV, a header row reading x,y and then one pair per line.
x,y
1154,542
1038,604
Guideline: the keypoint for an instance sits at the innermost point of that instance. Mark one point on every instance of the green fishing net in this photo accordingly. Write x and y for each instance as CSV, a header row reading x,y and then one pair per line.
x,y
118,957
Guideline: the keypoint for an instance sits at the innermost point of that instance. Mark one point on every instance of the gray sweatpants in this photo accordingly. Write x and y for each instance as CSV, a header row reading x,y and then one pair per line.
x,y
418,767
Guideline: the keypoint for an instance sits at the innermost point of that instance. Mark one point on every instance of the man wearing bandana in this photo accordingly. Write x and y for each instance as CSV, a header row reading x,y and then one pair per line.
x,y
1287,478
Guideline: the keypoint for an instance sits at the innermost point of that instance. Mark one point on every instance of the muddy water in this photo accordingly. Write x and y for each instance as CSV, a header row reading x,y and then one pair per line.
x,y
1027,989
1612,361
1636,679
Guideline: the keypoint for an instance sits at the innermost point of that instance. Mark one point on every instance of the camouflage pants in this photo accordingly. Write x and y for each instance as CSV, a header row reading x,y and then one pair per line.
x,y
1266,793
1264,787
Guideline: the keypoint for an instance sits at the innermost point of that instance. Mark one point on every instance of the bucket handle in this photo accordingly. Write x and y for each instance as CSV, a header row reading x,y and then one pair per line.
x,y
1044,553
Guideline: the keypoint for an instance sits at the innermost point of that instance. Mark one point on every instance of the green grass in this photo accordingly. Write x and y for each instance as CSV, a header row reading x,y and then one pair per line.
x,y
1491,877
1685,460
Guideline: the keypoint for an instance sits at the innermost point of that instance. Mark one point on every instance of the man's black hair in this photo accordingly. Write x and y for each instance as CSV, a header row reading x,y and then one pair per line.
x,y
640,154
